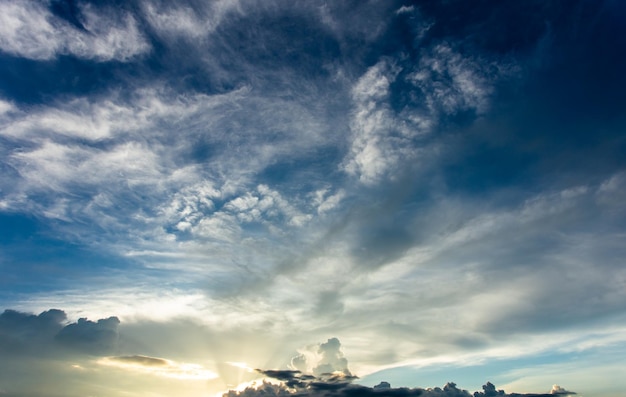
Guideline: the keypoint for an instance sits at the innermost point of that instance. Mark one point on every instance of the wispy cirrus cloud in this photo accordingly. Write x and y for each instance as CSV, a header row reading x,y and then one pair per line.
x,y
190,20
388,134
31,30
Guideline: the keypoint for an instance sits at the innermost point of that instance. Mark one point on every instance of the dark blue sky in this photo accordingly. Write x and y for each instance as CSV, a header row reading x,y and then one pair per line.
x,y
438,184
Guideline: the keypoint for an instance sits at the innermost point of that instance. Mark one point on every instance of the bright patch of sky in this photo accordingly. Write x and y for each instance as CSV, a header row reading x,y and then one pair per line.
x,y
190,191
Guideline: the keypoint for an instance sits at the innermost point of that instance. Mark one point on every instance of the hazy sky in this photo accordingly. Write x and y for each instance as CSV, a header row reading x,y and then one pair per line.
x,y
190,189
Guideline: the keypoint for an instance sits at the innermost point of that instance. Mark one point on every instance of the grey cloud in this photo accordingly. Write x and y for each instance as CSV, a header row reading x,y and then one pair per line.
x,y
91,337
489,390
296,384
141,360
23,333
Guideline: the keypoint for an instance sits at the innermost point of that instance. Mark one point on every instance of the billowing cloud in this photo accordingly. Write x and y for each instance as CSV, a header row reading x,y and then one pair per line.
x,y
92,337
325,358
295,383
25,333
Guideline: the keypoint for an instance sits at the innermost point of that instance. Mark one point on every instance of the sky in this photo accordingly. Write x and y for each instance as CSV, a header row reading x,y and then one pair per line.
x,y
197,195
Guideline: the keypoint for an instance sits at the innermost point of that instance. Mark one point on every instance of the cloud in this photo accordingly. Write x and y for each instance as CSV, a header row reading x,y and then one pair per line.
x,y
388,133
556,389
159,367
26,333
29,334
30,30
295,383
188,20
374,150
80,159
91,337
325,359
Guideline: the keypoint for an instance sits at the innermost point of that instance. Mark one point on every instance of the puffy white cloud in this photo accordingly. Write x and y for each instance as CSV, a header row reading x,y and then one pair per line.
x,y
323,359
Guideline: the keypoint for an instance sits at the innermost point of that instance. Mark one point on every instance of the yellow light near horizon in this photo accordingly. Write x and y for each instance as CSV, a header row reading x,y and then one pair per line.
x,y
241,365
168,369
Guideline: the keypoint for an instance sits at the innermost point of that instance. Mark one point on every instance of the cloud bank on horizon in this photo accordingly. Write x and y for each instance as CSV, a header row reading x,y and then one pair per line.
x,y
296,383
439,184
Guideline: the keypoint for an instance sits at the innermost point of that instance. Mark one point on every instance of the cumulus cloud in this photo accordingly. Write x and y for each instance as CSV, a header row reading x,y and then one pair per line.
x,y
29,29
324,358
295,383
25,333
91,337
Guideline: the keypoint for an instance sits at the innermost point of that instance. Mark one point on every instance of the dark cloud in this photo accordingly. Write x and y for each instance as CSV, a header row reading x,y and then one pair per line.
x,y
294,383
24,333
334,383
141,360
21,332
489,390
91,337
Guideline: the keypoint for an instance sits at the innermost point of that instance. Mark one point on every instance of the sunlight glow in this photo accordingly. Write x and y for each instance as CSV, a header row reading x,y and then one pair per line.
x,y
159,367
241,365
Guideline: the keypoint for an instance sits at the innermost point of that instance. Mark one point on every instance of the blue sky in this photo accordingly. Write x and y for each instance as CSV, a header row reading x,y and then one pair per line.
x,y
194,189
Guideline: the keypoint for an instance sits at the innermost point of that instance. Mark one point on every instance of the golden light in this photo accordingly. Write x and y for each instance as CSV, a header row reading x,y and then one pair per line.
x,y
159,367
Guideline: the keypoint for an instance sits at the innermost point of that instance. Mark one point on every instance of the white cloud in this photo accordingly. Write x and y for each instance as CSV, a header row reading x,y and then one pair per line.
x,y
189,20
451,82
218,226
61,168
384,140
6,107
405,10
147,111
28,29
325,202
374,151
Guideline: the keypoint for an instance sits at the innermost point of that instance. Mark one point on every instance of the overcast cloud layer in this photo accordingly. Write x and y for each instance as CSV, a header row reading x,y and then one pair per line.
x,y
190,190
